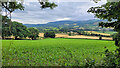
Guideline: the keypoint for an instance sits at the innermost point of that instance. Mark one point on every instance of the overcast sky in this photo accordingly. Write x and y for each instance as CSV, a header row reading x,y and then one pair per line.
x,y
32,13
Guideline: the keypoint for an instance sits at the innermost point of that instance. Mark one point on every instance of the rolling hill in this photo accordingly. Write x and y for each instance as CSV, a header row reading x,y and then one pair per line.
x,y
67,23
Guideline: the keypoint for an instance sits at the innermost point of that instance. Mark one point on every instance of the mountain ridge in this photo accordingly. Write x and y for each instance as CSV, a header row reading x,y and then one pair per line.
x,y
66,23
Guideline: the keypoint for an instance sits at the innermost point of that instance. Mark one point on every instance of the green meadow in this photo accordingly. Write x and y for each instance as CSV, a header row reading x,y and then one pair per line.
x,y
53,52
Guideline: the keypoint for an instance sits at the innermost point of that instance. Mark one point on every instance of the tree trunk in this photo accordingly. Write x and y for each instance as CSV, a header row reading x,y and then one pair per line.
x,y
15,37
10,24
32,38
10,15
116,42
3,37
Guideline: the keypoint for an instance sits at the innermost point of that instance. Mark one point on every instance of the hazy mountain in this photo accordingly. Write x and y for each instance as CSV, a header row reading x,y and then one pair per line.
x,y
67,23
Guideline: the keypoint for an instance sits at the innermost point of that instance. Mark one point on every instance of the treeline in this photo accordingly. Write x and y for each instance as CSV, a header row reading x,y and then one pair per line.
x,y
16,29
91,34
82,32
67,29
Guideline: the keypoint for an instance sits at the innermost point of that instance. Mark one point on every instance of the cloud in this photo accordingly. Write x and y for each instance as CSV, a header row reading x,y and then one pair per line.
x,y
63,19
33,14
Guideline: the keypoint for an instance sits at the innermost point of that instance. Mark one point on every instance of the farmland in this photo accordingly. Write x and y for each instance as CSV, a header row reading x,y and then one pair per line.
x,y
98,33
53,52
64,35
108,32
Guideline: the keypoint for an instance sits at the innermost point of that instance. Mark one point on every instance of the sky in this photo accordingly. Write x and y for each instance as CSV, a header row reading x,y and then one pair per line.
x,y
75,11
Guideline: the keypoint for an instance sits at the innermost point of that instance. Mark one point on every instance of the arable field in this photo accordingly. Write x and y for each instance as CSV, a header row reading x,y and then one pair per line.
x,y
63,35
53,52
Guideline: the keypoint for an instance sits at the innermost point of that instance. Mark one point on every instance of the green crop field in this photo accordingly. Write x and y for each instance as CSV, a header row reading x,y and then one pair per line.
x,y
53,52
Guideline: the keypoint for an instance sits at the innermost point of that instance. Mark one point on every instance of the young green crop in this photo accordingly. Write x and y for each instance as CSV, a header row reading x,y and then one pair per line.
x,y
53,52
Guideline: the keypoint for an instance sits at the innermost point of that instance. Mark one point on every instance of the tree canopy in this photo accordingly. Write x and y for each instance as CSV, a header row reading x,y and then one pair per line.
x,y
6,27
33,33
49,34
109,11
19,30
47,4
9,7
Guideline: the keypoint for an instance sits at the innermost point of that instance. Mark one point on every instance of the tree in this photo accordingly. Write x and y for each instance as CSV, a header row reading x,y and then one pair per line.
x,y
19,30
9,7
46,4
16,29
49,34
111,12
5,27
12,6
5,32
33,33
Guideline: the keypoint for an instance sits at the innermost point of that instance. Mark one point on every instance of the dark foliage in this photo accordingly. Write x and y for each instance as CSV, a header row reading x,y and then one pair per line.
x,y
33,33
49,34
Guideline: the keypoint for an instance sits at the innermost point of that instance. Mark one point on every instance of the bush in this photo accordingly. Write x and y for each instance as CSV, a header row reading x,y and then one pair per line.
x,y
112,59
49,34
70,34
115,35
100,37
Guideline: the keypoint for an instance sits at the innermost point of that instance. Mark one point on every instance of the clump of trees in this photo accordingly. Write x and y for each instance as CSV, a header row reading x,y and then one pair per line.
x,y
17,29
49,34
64,30
33,33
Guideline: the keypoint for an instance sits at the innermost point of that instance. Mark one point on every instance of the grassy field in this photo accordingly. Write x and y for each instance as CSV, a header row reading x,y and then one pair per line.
x,y
53,52
107,32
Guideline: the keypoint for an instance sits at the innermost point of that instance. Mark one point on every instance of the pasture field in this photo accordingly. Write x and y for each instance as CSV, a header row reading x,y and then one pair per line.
x,y
53,52
107,32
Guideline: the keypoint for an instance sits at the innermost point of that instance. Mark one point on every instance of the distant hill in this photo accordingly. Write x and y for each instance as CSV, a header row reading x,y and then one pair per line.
x,y
67,23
